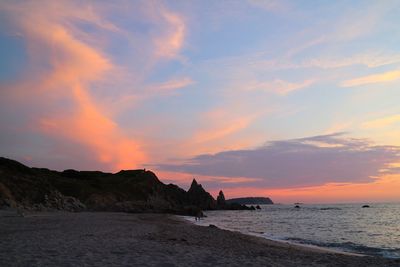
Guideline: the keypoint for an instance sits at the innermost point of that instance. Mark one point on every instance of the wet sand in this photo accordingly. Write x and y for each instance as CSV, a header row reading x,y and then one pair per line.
x,y
121,239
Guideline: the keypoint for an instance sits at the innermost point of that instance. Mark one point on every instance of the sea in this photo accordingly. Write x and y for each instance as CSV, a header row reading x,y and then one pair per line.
x,y
341,227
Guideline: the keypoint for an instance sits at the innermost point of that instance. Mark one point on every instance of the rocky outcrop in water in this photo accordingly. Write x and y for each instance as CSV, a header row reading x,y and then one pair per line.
x,y
251,200
221,203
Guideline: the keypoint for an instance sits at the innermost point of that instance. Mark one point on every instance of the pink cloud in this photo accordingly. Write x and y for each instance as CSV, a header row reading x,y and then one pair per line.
x,y
171,41
171,85
73,66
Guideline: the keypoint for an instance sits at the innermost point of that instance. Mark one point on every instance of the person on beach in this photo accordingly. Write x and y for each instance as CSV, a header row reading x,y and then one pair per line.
x,y
198,216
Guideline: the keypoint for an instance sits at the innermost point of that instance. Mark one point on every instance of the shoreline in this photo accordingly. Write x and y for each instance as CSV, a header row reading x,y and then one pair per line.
x,y
126,239
287,242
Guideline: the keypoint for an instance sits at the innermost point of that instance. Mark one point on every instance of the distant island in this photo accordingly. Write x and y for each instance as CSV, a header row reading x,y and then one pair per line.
x,y
251,200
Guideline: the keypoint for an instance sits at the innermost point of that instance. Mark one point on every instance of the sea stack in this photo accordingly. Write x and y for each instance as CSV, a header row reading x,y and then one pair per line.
x,y
200,197
221,203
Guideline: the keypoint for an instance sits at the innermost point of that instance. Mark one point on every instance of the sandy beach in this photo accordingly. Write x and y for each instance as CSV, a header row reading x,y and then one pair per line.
x,y
122,239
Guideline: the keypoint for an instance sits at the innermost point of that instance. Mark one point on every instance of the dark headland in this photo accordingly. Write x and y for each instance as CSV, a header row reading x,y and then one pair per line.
x,y
136,191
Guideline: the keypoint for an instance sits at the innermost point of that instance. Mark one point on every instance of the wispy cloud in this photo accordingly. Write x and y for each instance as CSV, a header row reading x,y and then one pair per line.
x,y
371,59
382,122
170,86
222,129
280,87
374,78
352,25
73,66
78,84
298,162
170,43
115,85
270,5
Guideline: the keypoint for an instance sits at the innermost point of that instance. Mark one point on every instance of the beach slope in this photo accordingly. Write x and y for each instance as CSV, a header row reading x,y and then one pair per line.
x,y
123,239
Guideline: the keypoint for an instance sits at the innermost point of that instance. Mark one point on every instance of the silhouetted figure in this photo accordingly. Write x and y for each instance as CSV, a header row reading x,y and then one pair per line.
x,y
198,216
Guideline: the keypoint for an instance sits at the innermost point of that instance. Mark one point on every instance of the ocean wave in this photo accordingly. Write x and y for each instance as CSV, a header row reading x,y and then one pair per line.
x,y
350,247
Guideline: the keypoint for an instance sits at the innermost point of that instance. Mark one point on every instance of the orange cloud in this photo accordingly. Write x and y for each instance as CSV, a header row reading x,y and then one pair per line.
x,y
220,129
92,128
386,188
375,78
382,122
74,66
338,127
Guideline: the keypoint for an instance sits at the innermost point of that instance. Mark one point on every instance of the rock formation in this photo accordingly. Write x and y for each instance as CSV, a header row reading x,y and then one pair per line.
x,y
221,203
199,197
251,200
58,201
127,191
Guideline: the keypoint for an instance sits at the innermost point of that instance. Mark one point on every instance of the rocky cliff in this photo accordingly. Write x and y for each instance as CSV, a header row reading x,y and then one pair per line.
x,y
128,190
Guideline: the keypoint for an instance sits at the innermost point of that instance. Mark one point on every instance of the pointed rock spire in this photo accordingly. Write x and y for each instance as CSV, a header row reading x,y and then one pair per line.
x,y
194,183
221,200
200,197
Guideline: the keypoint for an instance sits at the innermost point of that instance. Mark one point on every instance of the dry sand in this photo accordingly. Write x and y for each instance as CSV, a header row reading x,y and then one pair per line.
x,y
120,239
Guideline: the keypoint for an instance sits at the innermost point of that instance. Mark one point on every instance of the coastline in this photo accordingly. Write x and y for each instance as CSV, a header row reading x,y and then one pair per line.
x,y
305,246
124,239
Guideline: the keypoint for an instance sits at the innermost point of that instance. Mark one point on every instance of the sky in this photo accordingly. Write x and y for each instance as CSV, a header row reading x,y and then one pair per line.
x,y
295,100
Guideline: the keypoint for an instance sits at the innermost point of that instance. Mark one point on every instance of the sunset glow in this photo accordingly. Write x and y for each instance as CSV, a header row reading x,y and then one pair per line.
x,y
294,100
